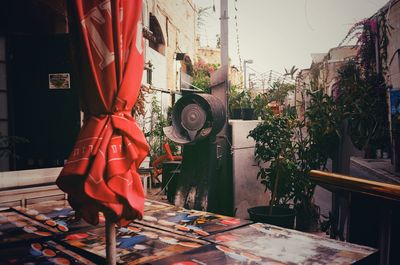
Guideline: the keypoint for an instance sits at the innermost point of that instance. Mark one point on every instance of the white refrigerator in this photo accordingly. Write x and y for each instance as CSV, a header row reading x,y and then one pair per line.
x,y
247,189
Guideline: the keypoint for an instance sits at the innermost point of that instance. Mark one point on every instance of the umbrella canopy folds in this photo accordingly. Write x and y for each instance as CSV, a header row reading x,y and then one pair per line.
x,y
101,172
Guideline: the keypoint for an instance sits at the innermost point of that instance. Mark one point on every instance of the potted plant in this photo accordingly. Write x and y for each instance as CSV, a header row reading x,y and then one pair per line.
x,y
246,103
234,102
274,153
285,155
261,107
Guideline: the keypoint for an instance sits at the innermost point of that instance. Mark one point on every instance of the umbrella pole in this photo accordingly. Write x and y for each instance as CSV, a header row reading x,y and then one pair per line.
x,y
110,242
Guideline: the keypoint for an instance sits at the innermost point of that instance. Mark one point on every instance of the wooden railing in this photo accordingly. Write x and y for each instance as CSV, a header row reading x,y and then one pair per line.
x,y
354,184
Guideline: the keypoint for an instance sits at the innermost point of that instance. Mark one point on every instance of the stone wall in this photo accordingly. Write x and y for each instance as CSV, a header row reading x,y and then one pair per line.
x,y
209,55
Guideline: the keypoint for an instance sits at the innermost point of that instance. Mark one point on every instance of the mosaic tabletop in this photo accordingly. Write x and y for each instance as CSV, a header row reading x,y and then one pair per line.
x,y
212,254
136,244
191,223
276,245
49,233
46,252
61,217
16,227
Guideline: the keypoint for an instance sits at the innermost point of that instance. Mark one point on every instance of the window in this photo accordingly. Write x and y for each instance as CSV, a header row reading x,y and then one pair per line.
x,y
156,41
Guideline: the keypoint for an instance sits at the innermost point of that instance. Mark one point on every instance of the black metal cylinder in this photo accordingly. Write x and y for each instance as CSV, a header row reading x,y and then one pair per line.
x,y
195,117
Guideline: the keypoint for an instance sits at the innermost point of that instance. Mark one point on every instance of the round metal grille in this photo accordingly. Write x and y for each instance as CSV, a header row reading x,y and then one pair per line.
x,y
193,117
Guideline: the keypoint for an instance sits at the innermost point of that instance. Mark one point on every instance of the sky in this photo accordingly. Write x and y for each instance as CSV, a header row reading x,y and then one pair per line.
x,y
279,34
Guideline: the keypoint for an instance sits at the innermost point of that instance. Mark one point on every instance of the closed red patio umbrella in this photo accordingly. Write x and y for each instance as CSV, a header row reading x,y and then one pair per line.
x,y
100,174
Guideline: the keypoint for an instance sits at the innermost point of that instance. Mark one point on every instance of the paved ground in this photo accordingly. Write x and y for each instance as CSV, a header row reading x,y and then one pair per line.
x,y
375,169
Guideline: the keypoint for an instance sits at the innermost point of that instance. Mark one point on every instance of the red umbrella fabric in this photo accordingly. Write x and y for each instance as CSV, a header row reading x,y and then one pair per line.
x,y
101,172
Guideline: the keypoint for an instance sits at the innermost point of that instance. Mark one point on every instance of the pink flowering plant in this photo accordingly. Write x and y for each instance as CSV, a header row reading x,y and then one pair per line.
x,y
201,75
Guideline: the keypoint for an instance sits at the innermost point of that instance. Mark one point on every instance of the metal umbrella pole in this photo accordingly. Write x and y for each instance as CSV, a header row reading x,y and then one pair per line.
x,y
111,243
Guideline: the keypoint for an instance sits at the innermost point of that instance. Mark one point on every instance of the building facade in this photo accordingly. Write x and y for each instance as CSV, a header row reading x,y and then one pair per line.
x,y
174,26
322,74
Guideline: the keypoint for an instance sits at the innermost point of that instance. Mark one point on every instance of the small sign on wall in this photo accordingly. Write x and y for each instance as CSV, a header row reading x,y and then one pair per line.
x,y
59,81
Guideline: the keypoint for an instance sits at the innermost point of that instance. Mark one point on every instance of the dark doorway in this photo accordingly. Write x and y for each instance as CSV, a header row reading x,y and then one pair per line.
x,y
43,112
